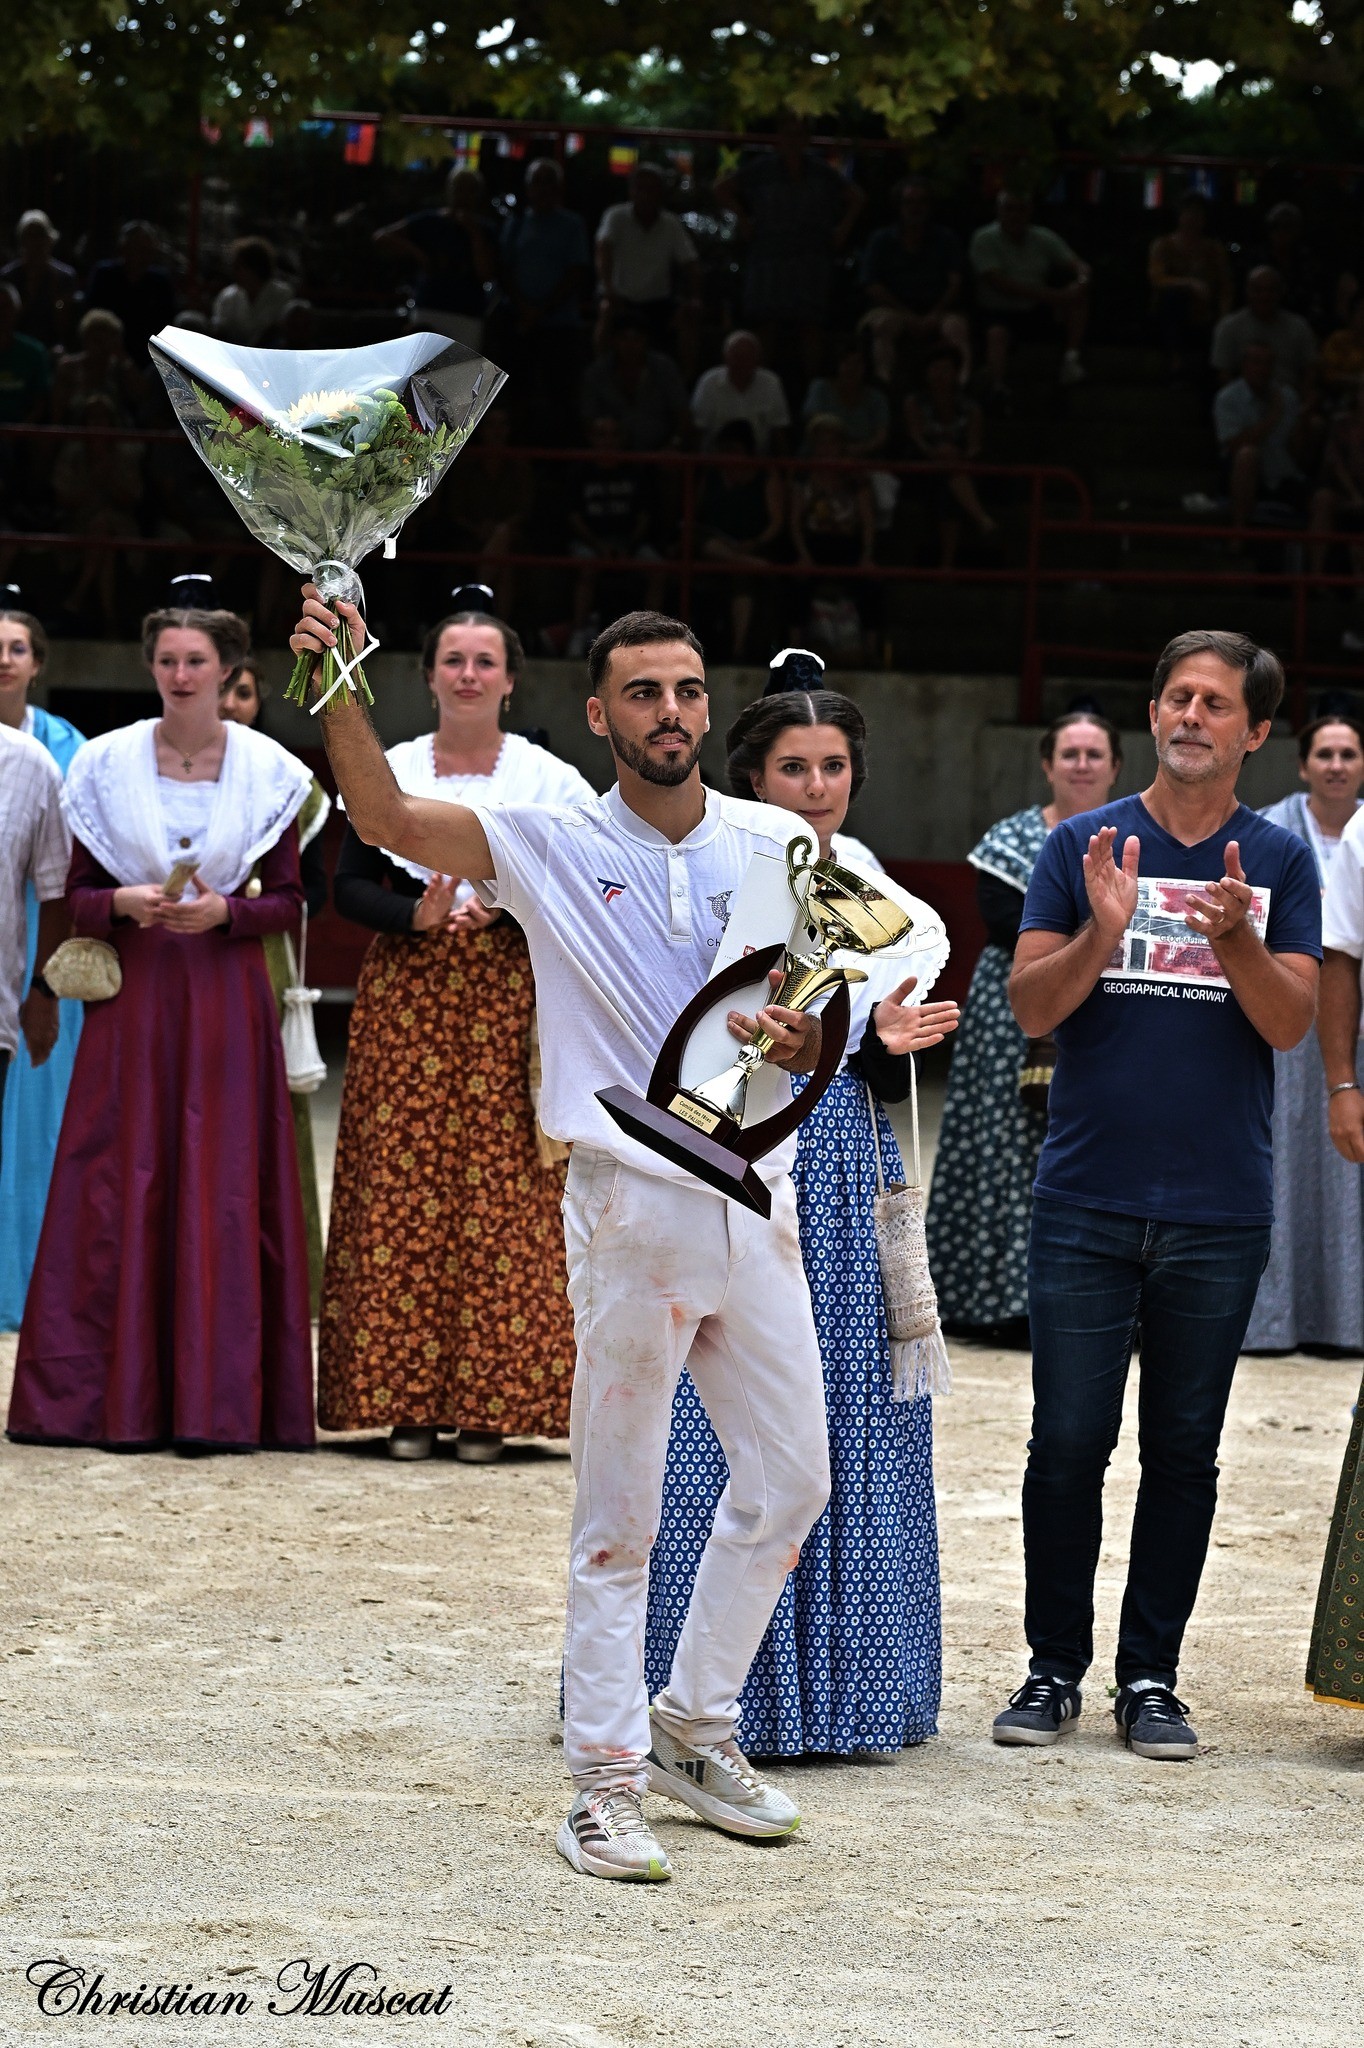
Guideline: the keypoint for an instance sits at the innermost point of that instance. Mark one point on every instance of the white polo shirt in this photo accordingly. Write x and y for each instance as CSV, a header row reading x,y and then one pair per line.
x,y
643,260
623,927
1342,901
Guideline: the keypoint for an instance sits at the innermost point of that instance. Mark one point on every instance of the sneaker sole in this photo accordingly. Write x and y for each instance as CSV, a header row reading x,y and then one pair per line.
x,y
1165,1752
731,1820
572,1851
1032,1738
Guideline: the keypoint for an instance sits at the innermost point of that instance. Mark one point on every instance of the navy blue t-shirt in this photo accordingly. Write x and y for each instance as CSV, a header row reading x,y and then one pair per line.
x,y
1161,1101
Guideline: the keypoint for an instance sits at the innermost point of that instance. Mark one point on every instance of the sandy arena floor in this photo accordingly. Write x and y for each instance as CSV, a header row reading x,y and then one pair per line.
x,y
264,1708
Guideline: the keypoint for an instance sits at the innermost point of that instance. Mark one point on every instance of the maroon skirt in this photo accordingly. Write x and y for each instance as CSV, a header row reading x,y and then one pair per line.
x,y
169,1300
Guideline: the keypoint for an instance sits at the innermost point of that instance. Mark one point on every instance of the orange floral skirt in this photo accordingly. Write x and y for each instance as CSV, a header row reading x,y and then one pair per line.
x,y
444,1302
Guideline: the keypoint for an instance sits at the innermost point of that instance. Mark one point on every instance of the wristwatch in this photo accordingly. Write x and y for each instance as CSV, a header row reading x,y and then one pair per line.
x,y
1342,1088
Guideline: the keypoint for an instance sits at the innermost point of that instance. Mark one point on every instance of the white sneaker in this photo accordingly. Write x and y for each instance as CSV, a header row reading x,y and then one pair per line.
x,y
606,1835
718,1782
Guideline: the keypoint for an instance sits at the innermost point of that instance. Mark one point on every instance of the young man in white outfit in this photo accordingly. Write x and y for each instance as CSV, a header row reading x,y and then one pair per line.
x,y
623,903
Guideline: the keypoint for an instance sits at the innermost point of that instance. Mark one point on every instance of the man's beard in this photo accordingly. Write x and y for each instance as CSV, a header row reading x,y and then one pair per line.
x,y
1192,763
668,770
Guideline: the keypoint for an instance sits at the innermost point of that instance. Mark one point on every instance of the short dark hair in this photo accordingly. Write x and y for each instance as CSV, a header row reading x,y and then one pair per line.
x,y
1262,678
1308,733
256,253
1046,746
759,725
511,640
637,629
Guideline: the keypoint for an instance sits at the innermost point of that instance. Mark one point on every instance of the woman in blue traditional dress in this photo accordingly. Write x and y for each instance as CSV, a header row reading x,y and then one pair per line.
x,y
1312,1291
34,1096
980,1204
852,1661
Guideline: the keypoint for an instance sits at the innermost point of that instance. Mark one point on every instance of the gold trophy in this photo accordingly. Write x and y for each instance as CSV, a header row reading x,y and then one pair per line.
x,y
703,1128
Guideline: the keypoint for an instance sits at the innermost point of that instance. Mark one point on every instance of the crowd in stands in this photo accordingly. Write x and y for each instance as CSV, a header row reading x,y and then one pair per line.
x,y
840,344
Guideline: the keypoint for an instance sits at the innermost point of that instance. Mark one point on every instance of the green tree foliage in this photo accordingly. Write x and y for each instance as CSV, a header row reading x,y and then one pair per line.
x,y
1011,74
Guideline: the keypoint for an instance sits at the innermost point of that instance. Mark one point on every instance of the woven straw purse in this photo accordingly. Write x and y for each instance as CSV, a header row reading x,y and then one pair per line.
x,y
918,1351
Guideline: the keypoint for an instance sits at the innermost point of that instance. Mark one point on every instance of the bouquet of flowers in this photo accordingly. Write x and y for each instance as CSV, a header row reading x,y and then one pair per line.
x,y
325,452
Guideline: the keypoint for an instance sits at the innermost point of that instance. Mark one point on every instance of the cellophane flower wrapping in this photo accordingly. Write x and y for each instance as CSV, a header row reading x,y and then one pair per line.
x,y
325,452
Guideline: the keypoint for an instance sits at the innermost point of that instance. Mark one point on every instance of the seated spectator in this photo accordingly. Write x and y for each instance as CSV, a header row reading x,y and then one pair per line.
x,y
1342,358
1256,418
47,289
25,366
912,273
546,269
98,484
1029,283
452,252
136,285
852,398
795,215
1285,249
252,306
637,386
1263,319
1338,501
947,429
100,365
1191,283
740,388
298,325
485,515
647,265
833,519
611,517
740,517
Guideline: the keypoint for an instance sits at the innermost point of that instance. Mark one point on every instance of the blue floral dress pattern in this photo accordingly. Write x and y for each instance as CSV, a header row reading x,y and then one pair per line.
x,y
853,1657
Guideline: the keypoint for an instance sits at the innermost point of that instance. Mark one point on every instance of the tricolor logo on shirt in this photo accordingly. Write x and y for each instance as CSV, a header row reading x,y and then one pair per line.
x,y
609,889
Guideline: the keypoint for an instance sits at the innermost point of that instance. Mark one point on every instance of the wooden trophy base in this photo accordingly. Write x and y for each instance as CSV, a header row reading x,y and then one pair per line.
x,y
672,1139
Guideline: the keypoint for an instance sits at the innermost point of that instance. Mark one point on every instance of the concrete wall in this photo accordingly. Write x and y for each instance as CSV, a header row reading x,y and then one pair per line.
x,y
945,758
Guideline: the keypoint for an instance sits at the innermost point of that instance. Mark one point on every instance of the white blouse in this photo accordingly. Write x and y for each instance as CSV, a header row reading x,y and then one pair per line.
x,y
185,807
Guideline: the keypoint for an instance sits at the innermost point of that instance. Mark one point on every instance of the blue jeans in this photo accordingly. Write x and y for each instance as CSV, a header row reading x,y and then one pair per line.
x,y
1096,1282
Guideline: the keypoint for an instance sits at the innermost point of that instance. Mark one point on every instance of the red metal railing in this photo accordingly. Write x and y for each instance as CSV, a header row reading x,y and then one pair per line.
x,y
1033,576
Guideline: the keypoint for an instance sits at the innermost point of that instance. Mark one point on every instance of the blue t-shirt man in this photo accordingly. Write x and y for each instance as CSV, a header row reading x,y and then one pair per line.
x,y
1161,1101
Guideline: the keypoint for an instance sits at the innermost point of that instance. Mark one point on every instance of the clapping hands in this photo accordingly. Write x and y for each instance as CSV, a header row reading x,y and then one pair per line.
x,y
1112,890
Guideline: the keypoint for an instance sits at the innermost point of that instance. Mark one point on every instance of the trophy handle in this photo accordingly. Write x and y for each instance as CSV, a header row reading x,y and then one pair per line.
x,y
755,1139
664,1081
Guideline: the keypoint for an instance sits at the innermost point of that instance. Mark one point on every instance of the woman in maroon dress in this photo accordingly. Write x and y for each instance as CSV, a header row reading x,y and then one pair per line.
x,y
169,1301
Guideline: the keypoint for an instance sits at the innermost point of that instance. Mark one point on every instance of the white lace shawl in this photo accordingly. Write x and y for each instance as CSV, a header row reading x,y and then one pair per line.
x,y
522,774
111,804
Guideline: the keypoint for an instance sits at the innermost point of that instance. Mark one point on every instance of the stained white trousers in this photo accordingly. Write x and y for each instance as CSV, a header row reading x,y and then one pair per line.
x,y
661,1275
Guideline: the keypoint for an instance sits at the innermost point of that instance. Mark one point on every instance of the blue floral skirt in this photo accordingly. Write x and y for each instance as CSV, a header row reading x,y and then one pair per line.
x,y
853,1657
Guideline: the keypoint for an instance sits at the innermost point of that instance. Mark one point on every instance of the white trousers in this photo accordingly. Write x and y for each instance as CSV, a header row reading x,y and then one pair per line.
x,y
662,1275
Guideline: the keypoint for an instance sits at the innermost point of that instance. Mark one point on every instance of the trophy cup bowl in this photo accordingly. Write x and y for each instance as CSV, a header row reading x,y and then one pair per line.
x,y
702,1127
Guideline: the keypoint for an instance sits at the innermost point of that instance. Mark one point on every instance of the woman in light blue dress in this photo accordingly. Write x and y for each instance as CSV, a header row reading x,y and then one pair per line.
x,y
852,1661
34,1096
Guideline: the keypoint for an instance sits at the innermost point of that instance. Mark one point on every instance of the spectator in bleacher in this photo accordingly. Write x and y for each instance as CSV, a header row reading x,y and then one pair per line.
x,y
487,513
101,364
546,268
25,367
47,289
452,249
611,514
1338,501
741,388
833,526
947,428
1285,249
852,398
637,386
1342,358
740,518
795,215
1029,283
912,273
647,265
252,306
98,484
1264,319
1256,418
1191,283
136,285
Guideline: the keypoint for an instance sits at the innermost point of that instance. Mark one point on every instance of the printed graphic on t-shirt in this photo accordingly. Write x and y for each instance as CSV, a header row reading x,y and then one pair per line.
x,y
1159,952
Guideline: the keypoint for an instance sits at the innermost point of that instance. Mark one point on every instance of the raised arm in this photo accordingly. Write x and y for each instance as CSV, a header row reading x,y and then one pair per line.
x,y
1053,972
445,837
1277,991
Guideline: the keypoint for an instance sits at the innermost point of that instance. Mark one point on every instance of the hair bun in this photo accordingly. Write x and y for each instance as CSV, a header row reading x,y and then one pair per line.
x,y
795,668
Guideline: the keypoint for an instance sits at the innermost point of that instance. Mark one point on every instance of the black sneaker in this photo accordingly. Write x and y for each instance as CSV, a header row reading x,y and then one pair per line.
x,y
1038,1711
1152,1722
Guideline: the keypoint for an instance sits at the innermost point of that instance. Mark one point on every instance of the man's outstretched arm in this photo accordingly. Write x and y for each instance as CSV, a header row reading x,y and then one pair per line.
x,y
447,838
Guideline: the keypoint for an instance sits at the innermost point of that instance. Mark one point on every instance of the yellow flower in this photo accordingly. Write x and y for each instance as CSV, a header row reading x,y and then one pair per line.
x,y
317,408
